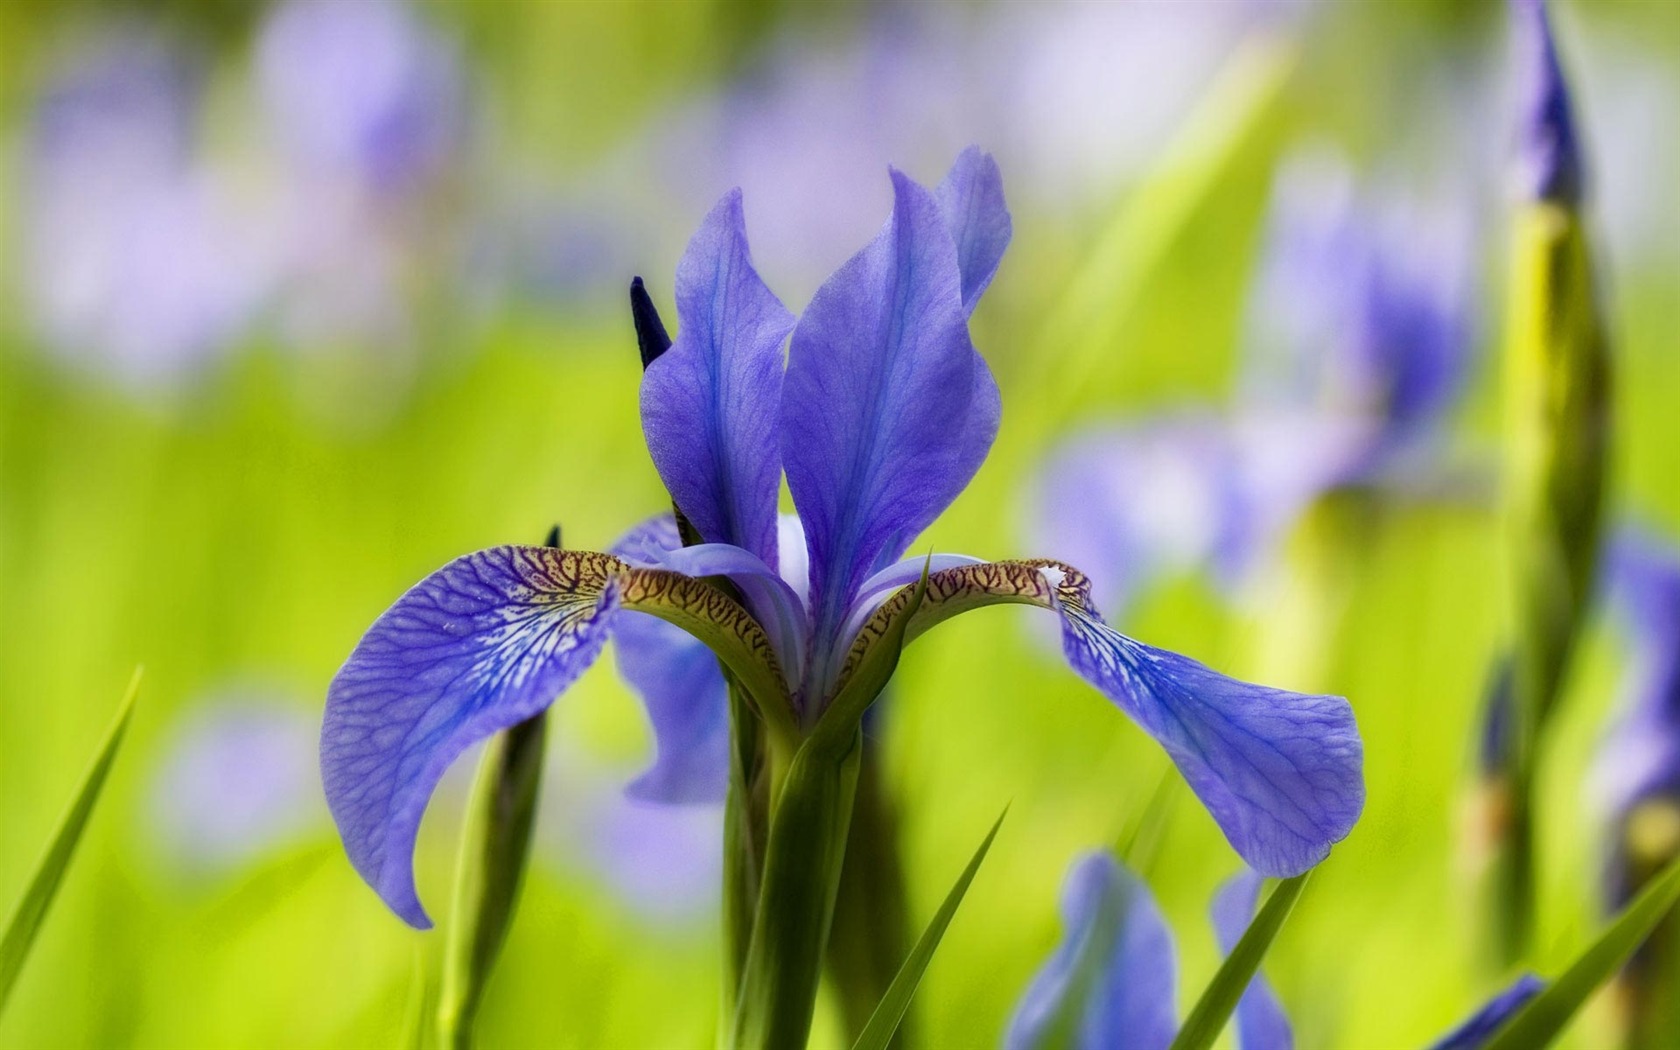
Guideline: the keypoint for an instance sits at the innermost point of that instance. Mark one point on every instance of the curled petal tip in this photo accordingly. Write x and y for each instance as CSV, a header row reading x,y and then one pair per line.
x,y
972,205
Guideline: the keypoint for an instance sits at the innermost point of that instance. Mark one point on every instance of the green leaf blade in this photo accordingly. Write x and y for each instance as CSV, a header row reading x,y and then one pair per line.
x,y
1546,1015
31,909
878,1033
1208,1017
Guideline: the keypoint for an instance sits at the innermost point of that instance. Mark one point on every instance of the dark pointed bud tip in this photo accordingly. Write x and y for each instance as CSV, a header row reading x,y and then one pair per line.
x,y
553,537
1549,149
650,330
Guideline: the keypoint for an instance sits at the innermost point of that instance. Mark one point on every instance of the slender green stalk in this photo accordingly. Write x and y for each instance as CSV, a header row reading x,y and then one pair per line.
x,y
1081,333
871,935
746,830
18,934
886,1021
807,846
495,844
1650,1009
494,848
1547,1014
1558,369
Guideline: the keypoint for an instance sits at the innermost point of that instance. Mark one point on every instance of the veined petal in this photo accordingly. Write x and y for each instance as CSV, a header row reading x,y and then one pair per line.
x,y
1479,1027
1261,1022
483,643
687,702
1280,772
711,404
1111,982
879,415
972,206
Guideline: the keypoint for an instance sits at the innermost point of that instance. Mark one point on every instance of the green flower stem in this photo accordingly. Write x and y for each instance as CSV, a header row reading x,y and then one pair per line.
x,y
746,830
871,935
494,848
1558,420
807,846
1650,842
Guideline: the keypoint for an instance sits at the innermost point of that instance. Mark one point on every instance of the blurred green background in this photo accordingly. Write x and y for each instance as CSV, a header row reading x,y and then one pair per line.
x,y
266,358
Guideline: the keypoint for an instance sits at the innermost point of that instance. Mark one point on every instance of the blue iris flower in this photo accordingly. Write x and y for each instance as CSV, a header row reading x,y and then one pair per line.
x,y
878,413
1639,762
1357,345
1110,983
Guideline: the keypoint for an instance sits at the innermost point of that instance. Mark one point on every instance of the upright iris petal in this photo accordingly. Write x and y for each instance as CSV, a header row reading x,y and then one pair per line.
x,y
710,403
881,428
1112,981
971,203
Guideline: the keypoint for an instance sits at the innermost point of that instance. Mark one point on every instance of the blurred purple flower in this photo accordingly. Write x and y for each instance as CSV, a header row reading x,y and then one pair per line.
x,y
138,261
666,861
804,129
1261,1022
1088,504
1480,1026
361,90
1358,343
369,112
1639,761
237,781
1360,318
1111,982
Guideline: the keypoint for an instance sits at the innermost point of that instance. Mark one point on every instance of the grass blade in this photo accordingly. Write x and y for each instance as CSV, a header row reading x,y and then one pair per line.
x,y
1080,332
26,918
1207,1018
893,1006
1546,1014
